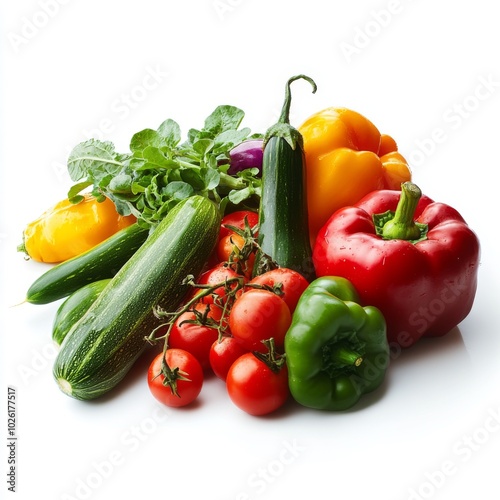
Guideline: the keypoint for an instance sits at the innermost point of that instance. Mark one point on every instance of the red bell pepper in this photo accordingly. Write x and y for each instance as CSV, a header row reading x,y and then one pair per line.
x,y
414,259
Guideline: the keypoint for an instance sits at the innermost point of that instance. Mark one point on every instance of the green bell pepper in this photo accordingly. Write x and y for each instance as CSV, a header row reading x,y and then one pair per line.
x,y
336,350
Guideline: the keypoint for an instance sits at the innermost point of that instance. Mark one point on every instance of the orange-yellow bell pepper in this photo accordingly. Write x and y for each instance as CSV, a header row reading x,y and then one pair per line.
x,y
346,157
67,230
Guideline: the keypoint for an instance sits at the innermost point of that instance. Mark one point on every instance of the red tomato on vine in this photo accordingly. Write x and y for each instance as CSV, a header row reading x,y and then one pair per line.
x,y
180,383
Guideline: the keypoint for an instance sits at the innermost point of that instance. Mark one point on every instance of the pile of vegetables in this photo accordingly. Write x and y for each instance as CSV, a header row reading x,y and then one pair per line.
x,y
288,264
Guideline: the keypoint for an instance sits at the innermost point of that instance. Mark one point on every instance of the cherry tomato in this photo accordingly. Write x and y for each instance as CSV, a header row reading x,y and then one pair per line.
x,y
258,315
293,284
194,337
215,275
226,244
226,253
188,386
223,354
254,387
237,219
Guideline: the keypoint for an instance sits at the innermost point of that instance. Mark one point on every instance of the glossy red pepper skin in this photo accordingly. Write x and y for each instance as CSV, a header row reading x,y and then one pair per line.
x,y
423,289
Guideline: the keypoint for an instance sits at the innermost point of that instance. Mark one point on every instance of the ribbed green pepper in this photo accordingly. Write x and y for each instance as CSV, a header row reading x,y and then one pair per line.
x,y
336,350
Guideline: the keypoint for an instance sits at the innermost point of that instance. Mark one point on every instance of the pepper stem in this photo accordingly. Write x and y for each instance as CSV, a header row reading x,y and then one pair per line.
x,y
345,356
402,226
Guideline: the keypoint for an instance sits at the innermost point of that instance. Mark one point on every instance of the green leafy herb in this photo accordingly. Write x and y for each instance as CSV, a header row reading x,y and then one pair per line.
x,y
159,170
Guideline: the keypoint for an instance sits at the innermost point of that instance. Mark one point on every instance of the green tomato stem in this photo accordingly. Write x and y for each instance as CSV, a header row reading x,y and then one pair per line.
x,y
273,360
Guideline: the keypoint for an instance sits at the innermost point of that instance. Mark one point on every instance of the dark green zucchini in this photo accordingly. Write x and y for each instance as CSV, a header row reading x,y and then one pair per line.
x,y
74,307
283,220
104,344
100,262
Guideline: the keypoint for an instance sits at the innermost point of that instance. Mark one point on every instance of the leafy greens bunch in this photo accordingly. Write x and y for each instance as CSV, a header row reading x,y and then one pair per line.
x,y
159,171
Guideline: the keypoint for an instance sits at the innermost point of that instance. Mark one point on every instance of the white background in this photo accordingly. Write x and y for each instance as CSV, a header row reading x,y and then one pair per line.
x,y
426,72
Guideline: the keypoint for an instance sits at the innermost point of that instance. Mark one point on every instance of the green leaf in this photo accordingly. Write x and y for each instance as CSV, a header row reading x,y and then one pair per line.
x,y
104,181
173,175
138,164
90,156
192,135
179,190
231,137
171,133
76,189
194,178
202,146
224,118
98,195
211,178
154,156
237,196
141,140
76,199
250,174
211,162
156,159
167,136
137,188
121,183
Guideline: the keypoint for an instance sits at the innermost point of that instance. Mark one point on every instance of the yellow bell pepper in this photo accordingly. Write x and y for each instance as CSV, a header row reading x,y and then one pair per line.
x,y
346,157
67,230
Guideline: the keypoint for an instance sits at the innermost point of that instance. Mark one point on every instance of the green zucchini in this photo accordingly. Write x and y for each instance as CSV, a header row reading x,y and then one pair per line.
x,y
283,220
74,307
100,262
104,344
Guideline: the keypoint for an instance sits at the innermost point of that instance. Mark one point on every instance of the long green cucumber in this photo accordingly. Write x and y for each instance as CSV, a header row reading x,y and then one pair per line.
x,y
74,307
104,344
283,220
100,262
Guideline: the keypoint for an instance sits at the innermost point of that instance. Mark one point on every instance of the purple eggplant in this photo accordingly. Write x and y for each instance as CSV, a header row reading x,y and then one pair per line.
x,y
248,154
